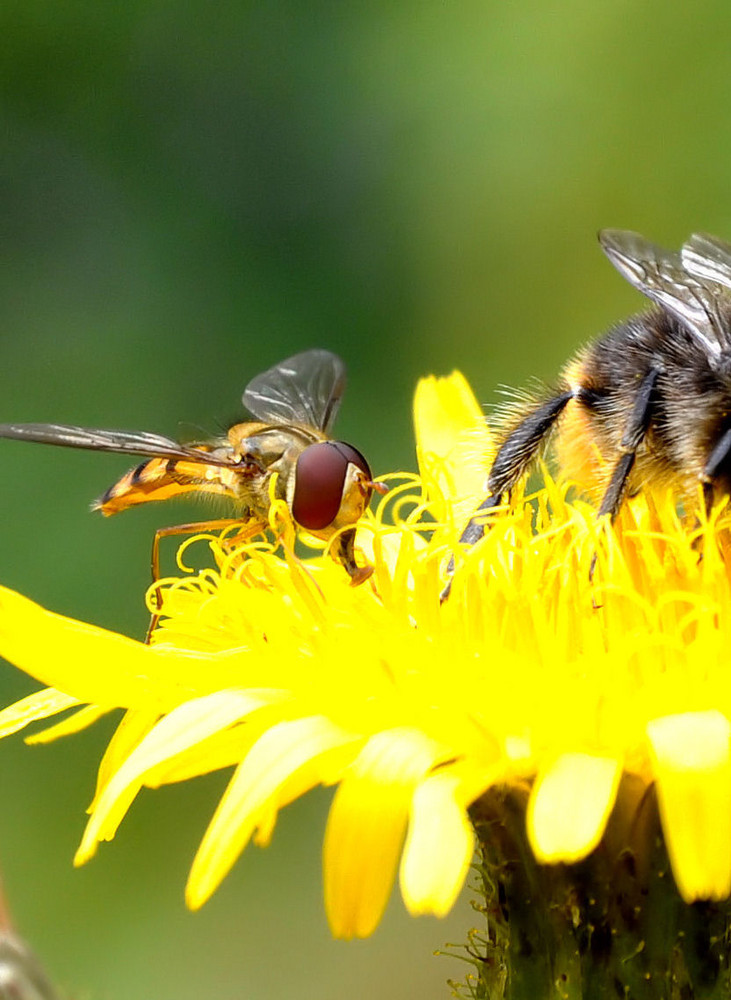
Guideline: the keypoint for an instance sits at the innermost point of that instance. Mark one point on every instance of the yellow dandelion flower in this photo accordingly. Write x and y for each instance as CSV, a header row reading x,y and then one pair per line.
x,y
568,725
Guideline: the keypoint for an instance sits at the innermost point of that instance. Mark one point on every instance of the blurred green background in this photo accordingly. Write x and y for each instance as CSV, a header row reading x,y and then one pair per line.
x,y
190,193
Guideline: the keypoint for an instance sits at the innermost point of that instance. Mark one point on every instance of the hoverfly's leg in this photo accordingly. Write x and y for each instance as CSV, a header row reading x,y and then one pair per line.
x,y
634,432
512,460
344,553
184,529
177,529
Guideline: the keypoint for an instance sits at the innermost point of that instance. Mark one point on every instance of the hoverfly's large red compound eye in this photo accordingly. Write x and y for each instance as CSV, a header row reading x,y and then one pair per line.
x,y
319,481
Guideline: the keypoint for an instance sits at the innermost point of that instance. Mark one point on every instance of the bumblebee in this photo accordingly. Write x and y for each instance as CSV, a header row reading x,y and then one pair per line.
x,y
326,484
649,402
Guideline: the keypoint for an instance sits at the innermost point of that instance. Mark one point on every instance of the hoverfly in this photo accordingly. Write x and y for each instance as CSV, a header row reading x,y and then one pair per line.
x,y
647,403
326,484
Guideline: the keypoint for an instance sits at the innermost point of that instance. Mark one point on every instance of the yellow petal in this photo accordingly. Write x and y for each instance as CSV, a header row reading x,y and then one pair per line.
x,y
288,751
223,749
453,442
59,652
366,827
439,846
569,806
134,725
81,719
185,726
110,670
692,768
39,705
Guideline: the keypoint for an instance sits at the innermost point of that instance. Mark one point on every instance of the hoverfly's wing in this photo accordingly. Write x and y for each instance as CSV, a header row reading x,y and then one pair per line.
x,y
708,257
661,275
122,442
304,389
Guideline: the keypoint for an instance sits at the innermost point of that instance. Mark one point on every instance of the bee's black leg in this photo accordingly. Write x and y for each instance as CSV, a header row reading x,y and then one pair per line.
x,y
612,499
475,526
708,497
634,432
513,458
719,458
522,445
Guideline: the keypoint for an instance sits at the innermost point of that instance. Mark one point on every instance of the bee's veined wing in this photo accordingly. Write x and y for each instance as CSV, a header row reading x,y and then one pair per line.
x,y
122,442
304,389
708,257
661,275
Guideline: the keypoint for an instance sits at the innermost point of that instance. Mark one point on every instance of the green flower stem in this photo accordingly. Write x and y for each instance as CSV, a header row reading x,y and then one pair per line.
x,y
612,926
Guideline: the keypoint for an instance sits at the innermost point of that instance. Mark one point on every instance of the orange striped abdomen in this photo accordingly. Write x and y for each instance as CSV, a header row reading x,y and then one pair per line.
x,y
165,478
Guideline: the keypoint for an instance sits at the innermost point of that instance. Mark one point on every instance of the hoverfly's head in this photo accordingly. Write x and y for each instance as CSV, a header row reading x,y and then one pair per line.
x,y
332,487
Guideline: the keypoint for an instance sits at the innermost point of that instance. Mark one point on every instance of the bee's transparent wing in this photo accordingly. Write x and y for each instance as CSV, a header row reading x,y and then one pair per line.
x,y
708,257
304,389
661,275
122,442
